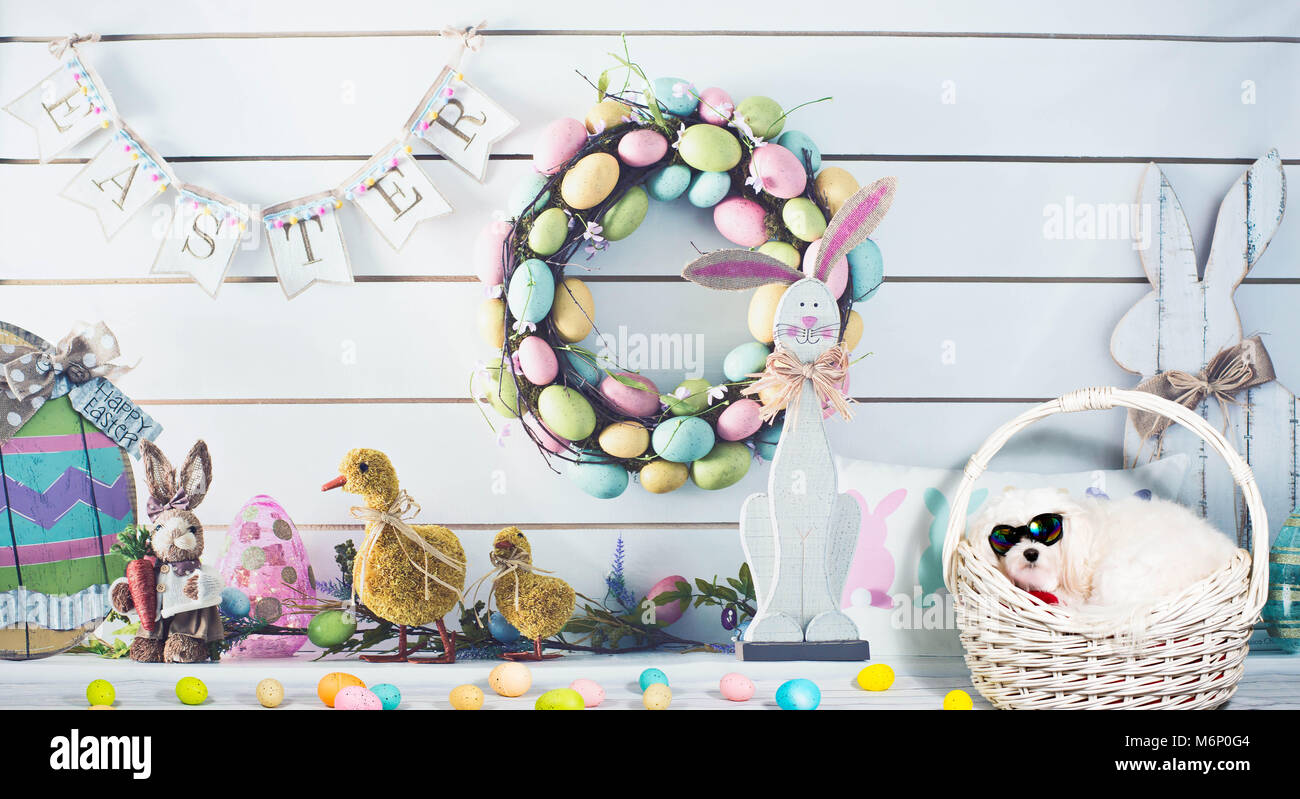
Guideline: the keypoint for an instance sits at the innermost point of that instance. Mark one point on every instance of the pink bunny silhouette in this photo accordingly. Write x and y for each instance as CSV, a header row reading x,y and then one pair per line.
x,y
873,567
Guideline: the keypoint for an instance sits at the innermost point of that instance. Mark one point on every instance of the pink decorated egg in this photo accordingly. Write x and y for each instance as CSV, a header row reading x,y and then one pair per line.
x,y
780,170
550,441
628,399
590,691
537,360
741,419
671,612
489,253
716,106
839,277
742,221
561,140
642,147
736,687
355,697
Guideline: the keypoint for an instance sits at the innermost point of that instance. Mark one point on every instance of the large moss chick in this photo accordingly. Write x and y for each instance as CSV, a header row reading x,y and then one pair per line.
x,y
545,603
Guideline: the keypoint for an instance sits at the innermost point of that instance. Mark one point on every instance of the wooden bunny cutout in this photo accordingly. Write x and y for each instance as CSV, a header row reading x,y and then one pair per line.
x,y
1185,334
799,537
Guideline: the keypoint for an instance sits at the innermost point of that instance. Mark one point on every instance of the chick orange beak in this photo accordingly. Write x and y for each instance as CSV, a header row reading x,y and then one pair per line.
x,y
337,482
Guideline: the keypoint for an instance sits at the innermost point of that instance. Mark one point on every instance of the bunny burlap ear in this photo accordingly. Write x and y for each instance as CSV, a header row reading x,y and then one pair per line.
x,y
851,225
738,270
195,473
158,473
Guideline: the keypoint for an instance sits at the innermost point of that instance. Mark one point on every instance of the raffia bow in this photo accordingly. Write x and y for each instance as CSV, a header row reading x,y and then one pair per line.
x,y
504,567
60,46
1232,369
786,373
30,376
469,40
402,508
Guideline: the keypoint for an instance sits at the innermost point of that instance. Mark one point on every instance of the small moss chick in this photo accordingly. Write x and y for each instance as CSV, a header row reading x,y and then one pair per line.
x,y
385,574
544,603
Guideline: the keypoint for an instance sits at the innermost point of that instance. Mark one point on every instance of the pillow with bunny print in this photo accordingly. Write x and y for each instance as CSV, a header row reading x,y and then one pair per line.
x,y
894,592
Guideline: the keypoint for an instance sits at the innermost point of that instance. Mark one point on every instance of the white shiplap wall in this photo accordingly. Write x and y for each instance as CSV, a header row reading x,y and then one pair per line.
x,y
261,101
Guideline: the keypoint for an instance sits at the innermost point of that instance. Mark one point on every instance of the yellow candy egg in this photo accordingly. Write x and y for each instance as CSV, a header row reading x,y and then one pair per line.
x,y
836,185
467,697
657,697
606,115
762,310
191,691
573,310
270,693
853,331
511,679
876,677
589,181
100,692
492,322
625,439
661,477
957,700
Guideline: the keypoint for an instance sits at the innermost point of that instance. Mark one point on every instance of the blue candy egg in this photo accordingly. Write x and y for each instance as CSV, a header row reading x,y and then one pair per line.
x,y
667,184
234,603
526,191
388,695
531,291
676,95
708,189
682,439
799,143
766,438
798,695
601,480
745,360
650,677
501,629
582,366
866,269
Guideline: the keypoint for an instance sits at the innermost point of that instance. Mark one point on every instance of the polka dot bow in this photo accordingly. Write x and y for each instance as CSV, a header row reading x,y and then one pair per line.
x,y
29,376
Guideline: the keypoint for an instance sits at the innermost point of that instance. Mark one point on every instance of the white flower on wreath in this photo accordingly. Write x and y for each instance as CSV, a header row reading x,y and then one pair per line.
x,y
682,393
599,129
739,123
754,180
494,292
681,128
524,326
682,88
717,393
593,231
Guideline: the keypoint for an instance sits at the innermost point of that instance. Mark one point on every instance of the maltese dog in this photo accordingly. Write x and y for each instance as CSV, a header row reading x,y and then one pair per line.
x,y
1107,557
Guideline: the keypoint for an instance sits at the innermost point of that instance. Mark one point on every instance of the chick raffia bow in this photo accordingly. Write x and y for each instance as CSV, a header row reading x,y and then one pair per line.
x,y
786,374
31,376
403,507
504,566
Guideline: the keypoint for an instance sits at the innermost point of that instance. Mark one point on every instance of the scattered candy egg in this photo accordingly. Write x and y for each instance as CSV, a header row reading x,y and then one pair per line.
x,y
668,183
329,686
957,700
641,148
763,114
467,697
689,398
708,188
594,474
661,476
651,677
657,697
355,697
838,279
630,394
489,252
876,677
736,687
725,465
798,694
783,252
537,360
547,232
740,420
741,221
492,322
590,691
745,360
709,148
606,115
573,311
781,172
234,602
682,439
270,692
624,439
588,182
560,699
802,146
331,628
675,95
526,198
501,629
100,692
762,310
561,140
511,679
191,690
388,695
566,412
668,613
716,106
836,185
803,218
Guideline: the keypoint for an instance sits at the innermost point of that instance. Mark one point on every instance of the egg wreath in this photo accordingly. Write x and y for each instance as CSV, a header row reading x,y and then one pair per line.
x,y
592,185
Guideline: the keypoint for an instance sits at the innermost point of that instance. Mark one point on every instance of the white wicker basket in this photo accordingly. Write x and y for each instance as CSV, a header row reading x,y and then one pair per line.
x,y
1025,654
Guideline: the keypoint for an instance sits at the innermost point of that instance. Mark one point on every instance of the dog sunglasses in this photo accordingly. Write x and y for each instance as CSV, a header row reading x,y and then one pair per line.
x,y
1045,528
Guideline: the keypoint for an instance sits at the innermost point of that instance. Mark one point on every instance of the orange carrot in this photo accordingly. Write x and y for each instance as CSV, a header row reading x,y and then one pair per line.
x,y
133,544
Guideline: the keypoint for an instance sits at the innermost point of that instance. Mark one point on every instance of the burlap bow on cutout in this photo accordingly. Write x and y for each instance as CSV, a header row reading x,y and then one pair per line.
x,y
1232,369
30,377
786,374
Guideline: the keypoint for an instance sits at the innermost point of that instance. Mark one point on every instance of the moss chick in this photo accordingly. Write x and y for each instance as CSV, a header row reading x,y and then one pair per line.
x,y
545,603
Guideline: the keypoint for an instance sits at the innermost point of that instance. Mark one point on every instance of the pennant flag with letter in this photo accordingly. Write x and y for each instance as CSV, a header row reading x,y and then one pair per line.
x,y
461,122
201,240
120,180
395,194
307,242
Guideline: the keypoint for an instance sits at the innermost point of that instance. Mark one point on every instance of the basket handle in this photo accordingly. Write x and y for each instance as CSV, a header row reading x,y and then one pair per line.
x,y
1102,398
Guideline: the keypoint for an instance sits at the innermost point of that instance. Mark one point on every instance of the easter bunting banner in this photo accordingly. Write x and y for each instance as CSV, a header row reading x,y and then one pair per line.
x,y
305,236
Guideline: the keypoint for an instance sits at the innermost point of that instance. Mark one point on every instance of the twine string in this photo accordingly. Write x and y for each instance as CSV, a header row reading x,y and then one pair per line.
x,y
503,566
403,507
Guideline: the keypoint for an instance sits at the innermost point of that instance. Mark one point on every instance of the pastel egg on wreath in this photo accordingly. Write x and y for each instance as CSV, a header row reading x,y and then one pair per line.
x,y
866,270
709,148
510,679
581,365
762,310
502,393
548,231
389,696
708,189
665,614
354,697
675,95
725,465
489,253
736,687
716,106
689,398
235,603
566,412
744,360
663,477
561,141
466,697
631,394
682,439
741,221
651,677
598,477
626,215
642,147
550,441
838,279
763,115
803,218
657,697
587,183
537,360
668,183
574,311
331,628
801,144
783,252
624,439
560,699
798,694
740,420
590,690
527,197
766,440
836,185
270,692
606,115
492,322
502,630
531,291
852,331
781,171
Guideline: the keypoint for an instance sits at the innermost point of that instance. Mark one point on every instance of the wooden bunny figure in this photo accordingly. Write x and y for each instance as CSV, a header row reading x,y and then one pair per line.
x,y
1185,339
799,537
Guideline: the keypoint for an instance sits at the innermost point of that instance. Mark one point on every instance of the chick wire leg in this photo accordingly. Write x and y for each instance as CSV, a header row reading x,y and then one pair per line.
x,y
448,648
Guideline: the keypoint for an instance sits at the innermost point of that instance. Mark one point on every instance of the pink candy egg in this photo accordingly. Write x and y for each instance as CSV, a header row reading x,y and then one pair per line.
x,y
839,276
716,106
642,147
591,692
561,140
741,419
629,400
736,687
489,253
780,170
671,612
354,697
742,221
550,441
537,360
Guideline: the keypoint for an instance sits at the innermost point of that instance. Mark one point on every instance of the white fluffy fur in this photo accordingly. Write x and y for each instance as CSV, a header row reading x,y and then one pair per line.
x,y
1115,558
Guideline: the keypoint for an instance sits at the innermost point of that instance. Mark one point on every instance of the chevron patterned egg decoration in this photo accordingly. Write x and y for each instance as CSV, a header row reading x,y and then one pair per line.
x,y
68,490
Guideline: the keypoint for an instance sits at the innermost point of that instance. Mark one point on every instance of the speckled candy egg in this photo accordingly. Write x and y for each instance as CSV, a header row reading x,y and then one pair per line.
x,y
502,395
866,269
639,399
588,182
736,687
957,700
561,140
581,365
234,602
765,441
876,677
547,232
803,218
354,697
549,440
642,147
501,629
489,252
781,251
665,614
725,465
837,186
560,699
763,114
265,558
662,477
780,170
689,398
801,144
467,697
491,321
525,199
798,694
191,691
598,478
657,697
567,412
590,691
626,215
708,188
573,310
537,360
331,684
651,677
682,439
270,692
716,106
740,420
511,679
709,148
744,360
838,279
389,696
331,628
853,331
675,95
624,439
741,220
668,183
762,310
606,115
532,289
100,692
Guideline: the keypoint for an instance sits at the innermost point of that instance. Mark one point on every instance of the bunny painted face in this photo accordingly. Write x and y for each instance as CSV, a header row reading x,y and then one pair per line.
x,y
807,319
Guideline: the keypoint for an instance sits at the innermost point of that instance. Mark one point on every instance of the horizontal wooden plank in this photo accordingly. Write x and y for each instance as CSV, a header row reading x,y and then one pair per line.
x,y
919,96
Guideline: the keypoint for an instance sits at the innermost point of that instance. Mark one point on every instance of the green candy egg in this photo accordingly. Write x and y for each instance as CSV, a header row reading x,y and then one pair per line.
x,y
668,183
725,465
331,628
566,413
709,148
745,360
548,232
625,216
763,114
803,218
690,397
783,252
560,699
